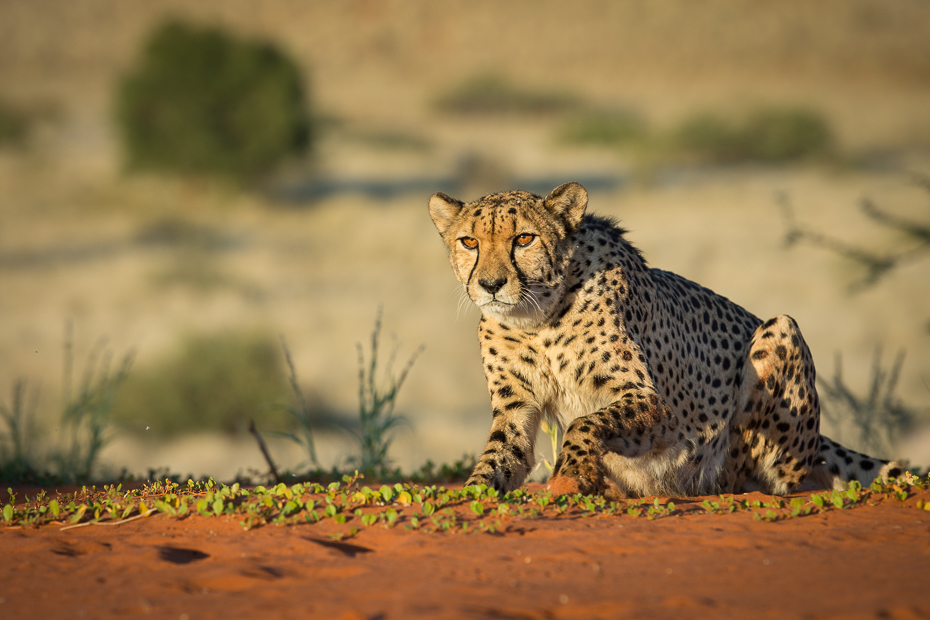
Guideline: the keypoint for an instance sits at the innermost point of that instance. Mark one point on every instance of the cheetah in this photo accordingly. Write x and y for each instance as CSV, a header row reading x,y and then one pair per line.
x,y
660,386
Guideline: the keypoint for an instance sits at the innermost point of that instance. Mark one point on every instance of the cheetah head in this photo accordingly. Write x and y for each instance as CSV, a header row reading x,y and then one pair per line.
x,y
510,250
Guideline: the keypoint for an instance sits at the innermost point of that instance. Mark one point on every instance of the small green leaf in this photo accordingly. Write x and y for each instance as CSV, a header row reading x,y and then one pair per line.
x,y
54,508
330,511
79,513
386,492
8,513
477,507
165,507
217,506
340,519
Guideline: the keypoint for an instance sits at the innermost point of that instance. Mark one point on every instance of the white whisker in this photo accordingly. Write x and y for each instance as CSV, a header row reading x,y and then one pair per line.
x,y
464,301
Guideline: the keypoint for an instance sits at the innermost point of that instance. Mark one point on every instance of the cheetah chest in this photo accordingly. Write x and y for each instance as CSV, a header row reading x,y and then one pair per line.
x,y
572,381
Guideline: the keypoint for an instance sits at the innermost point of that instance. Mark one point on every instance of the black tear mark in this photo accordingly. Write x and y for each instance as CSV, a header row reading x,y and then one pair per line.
x,y
342,547
179,555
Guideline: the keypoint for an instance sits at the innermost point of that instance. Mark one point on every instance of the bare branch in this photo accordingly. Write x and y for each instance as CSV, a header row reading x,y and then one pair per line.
x,y
876,265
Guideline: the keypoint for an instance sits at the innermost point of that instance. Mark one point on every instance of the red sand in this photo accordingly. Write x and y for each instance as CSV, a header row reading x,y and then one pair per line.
x,y
866,562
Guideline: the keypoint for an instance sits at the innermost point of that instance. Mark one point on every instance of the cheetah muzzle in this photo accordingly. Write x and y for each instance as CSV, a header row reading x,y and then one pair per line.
x,y
661,386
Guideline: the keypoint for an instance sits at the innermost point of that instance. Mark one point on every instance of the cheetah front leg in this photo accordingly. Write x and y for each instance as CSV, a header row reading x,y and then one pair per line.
x,y
637,424
509,458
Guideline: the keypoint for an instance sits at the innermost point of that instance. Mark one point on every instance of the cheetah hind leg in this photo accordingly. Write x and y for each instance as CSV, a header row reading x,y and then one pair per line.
x,y
836,466
775,432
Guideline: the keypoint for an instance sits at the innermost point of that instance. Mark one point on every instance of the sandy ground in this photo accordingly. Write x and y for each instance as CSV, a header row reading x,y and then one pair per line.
x,y
866,562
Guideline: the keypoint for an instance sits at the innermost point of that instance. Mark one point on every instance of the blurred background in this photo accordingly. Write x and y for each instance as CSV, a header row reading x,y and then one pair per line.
x,y
182,184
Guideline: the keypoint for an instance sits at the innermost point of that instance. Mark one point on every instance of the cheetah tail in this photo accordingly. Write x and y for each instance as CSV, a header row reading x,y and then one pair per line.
x,y
837,465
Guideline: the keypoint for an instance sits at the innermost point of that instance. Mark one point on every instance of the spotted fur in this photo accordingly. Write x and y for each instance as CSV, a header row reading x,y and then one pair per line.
x,y
661,386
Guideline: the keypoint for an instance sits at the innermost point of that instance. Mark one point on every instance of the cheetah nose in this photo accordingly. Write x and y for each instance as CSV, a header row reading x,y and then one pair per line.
x,y
492,286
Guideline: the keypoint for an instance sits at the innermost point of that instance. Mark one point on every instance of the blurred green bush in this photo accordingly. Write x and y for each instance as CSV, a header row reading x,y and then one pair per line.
x,y
213,383
202,101
13,124
492,94
770,135
767,135
604,128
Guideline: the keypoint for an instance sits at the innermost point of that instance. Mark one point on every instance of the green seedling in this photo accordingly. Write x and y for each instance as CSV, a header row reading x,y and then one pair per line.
x,y
377,400
341,501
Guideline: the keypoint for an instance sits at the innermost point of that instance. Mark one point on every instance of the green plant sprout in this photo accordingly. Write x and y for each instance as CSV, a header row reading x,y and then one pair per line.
x,y
427,509
87,416
550,426
16,452
301,412
376,403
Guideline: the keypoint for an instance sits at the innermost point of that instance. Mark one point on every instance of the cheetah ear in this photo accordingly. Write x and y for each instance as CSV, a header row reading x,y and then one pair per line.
x,y
444,209
568,202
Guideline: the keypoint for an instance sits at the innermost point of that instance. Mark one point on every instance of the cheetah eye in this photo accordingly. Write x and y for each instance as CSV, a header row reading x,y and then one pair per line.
x,y
469,242
524,240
